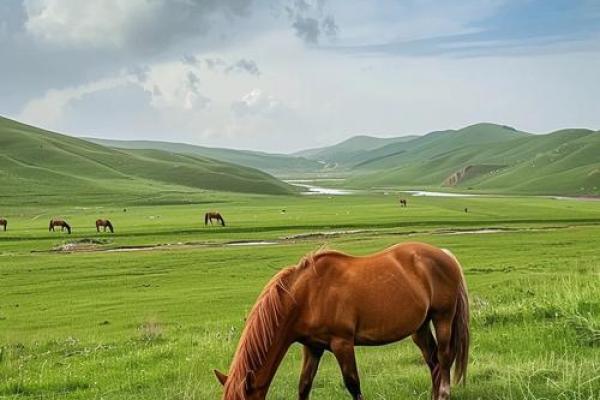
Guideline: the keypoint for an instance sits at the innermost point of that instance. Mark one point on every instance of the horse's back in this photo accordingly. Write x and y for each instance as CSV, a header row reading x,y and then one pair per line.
x,y
382,297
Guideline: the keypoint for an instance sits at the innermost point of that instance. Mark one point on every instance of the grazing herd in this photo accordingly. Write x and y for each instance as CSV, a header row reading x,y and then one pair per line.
x,y
106,224
209,217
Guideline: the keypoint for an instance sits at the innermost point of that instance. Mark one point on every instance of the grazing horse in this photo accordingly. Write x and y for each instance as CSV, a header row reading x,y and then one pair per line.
x,y
59,222
402,202
333,301
209,216
4,223
104,223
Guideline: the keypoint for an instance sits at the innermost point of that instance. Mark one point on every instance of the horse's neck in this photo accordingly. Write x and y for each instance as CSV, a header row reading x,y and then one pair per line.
x,y
265,374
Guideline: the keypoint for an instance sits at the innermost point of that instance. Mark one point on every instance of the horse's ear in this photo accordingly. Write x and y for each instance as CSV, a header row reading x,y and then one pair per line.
x,y
249,382
221,377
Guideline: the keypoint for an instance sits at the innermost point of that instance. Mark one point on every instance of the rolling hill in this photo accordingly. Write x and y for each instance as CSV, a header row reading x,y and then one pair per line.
x,y
280,164
39,164
350,151
489,157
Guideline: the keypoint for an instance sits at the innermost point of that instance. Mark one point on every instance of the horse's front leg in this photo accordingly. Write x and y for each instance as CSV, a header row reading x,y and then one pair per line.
x,y
310,364
343,350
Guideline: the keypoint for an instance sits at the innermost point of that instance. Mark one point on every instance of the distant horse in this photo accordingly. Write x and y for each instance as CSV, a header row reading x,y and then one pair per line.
x,y
466,210
212,215
4,223
333,301
104,223
402,202
59,222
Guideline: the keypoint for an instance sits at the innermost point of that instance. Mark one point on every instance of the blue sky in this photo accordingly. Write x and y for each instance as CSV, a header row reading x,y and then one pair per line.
x,y
282,75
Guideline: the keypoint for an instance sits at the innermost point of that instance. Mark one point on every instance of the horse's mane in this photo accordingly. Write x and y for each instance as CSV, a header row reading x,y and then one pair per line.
x,y
262,323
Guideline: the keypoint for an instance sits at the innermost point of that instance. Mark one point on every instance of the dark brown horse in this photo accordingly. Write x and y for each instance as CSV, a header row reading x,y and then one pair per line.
x,y
4,223
105,224
59,222
333,301
209,216
403,203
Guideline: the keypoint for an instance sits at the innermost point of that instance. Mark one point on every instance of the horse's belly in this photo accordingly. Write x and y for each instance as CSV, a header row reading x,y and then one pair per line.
x,y
393,329
390,319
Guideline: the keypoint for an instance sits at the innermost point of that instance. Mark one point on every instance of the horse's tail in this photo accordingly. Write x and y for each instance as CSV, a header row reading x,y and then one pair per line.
x,y
68,227
460,333
222,220
206,219
460,339
50,225
109,224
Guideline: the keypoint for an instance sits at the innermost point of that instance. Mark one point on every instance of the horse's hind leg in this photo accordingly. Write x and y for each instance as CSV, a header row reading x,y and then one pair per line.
x,y
310,364
423,338
343,350
446,356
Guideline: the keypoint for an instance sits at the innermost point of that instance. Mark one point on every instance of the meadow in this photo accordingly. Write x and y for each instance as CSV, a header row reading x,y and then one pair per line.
x,y
150,311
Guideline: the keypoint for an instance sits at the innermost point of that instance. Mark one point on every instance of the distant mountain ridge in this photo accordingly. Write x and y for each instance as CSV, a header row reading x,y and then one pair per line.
x,y
267,162
485,156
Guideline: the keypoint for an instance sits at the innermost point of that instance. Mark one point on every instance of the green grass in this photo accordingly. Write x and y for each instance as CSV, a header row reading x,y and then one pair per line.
x,y
153,324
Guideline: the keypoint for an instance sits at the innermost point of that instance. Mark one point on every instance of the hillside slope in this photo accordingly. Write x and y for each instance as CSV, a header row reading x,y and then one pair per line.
x,y
491,158
39,163
350,151
270,163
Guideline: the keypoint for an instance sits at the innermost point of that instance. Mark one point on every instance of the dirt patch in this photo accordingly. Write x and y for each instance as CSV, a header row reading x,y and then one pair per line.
x,y
82,245
319,235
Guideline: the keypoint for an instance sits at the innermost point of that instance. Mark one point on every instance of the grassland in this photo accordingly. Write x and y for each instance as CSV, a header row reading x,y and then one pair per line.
x,y
153,324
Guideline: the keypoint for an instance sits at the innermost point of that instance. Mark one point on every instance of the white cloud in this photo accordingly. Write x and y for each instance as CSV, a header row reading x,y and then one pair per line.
x,y
49,109
138,25
256,102
107,23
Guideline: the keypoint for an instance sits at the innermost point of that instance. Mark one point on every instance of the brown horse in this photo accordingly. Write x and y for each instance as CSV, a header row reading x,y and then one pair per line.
x,y
59,222
333,301
105,224
209,216
4,223
403,203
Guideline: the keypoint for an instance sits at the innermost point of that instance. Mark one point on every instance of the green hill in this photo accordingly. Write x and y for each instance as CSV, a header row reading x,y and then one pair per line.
x,y
491,158
350,151
281,164
39,165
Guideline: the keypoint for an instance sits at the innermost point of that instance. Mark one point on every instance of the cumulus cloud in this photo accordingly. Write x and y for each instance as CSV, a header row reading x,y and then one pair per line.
x,y
256,103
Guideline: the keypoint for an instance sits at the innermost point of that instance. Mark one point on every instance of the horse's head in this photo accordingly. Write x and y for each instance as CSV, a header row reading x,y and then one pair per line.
x,y
250,390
